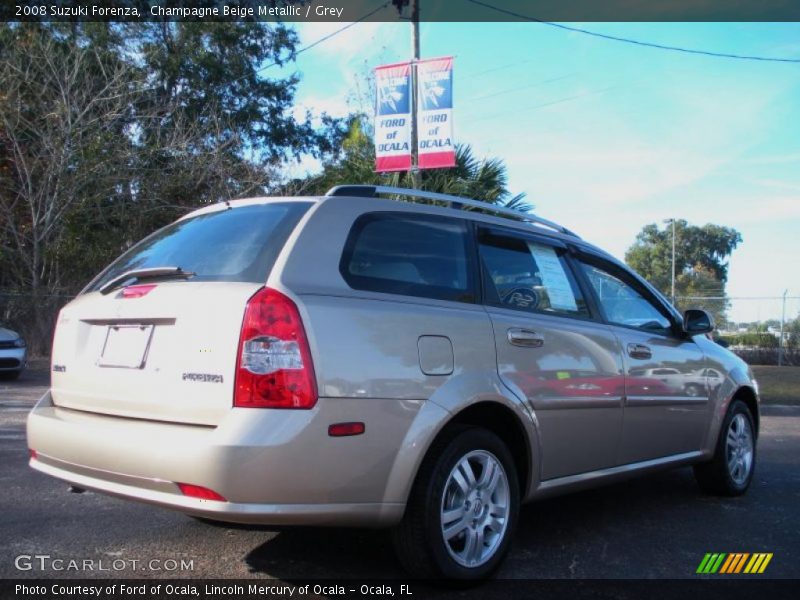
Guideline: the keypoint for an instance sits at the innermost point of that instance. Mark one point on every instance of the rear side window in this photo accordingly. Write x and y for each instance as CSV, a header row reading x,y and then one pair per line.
x,y
239,244
413,255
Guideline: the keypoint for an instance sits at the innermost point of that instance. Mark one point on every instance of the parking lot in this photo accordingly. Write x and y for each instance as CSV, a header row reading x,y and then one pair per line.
x,y
660,526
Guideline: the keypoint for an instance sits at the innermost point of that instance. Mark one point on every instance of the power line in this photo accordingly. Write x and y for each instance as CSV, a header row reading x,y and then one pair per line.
x,y
518,89
325,38
317,42
635,42
500,68
550,103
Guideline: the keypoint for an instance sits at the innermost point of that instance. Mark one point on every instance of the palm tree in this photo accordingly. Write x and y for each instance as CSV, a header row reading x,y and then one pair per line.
x,y
483,179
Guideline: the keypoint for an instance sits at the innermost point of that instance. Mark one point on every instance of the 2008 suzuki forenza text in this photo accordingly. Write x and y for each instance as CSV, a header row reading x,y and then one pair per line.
x,y
357,360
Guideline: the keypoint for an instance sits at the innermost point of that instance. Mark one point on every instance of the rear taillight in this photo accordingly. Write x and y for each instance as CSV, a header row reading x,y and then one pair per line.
x,y
273,366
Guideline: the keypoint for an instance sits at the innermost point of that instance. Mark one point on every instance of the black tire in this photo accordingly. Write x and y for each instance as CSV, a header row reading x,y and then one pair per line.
x,y
714,476
419,540
10,375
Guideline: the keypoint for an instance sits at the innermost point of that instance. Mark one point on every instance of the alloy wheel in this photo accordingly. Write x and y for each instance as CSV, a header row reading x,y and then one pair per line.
x,y
474,508
739,449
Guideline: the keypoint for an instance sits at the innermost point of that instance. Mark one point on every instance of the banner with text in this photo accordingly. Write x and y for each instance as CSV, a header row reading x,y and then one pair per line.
x,y
393,118
435,113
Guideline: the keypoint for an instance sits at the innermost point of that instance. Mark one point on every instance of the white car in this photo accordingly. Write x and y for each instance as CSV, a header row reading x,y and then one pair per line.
x,y
13,354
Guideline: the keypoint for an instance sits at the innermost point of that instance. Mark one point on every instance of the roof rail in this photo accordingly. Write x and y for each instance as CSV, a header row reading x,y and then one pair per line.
x,y
371,191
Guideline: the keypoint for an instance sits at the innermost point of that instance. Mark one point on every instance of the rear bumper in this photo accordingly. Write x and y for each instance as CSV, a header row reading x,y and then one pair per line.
x,y
234,512
272,466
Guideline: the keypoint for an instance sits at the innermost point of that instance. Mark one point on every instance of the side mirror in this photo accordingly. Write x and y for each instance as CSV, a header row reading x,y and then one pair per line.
x,y
697,321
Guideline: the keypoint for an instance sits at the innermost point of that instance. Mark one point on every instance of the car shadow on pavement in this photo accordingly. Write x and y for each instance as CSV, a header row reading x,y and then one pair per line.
x,y
549,532
326,553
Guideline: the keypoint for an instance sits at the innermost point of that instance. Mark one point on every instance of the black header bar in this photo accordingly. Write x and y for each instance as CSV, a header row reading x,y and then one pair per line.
x,y
297,11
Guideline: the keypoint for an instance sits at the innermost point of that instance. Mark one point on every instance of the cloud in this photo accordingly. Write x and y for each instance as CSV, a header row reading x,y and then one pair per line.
x,y
335,105
749,210
356,44
774,159
335,72
776,184
308,165
679,144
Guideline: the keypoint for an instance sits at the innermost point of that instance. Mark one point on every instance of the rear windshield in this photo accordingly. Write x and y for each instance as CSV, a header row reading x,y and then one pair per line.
x,y
239,244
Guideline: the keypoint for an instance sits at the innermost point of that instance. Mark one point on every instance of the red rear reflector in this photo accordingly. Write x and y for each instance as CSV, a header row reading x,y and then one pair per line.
x,y
273,365
343,429
34,454
198,491
136,291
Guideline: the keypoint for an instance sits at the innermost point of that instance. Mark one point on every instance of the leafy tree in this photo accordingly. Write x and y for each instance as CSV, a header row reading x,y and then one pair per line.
x,y
791,334
109,131
701,262
485,179
63,111
210,95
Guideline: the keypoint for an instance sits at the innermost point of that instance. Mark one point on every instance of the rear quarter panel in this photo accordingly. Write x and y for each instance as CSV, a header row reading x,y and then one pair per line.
x,y
366,344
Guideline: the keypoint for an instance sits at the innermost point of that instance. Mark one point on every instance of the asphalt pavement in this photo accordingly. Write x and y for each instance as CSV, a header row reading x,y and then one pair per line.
x,y
659,526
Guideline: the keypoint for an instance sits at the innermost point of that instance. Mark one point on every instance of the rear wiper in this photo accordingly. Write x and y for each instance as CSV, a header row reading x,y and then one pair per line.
x,y
142,274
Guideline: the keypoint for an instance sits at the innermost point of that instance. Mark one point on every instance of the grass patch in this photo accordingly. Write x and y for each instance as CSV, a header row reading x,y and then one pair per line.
x,y
778,385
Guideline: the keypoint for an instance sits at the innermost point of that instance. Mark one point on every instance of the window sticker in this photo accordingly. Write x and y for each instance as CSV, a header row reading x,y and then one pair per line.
x,y
553,277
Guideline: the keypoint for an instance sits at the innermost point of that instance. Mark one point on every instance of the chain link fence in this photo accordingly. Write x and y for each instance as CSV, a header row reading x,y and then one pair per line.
x,y
763,330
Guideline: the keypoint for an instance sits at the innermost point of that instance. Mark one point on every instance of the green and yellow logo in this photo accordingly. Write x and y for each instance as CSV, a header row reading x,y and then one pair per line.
x,y
736,562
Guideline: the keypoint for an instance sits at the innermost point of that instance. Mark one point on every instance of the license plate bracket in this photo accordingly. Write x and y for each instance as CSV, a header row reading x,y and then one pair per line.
x,y
126,346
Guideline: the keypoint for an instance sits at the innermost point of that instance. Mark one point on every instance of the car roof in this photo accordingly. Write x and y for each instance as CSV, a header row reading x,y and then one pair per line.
x,y
384,204
477,216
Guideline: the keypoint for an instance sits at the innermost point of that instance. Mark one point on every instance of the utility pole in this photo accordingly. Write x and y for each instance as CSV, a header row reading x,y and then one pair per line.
x,y
415,178
783,320
673,262
673,257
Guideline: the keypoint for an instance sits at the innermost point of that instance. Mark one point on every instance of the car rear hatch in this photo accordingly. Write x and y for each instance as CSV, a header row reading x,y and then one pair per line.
x,y
162,346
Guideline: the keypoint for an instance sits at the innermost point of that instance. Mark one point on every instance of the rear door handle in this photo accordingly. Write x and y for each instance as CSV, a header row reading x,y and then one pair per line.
x,y
525,338
639,351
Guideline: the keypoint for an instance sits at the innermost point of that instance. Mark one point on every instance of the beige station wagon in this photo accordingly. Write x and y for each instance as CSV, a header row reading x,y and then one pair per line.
x,y
423,365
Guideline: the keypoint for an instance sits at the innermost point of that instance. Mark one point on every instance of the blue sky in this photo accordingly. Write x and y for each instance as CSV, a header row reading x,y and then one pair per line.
x,y
606,137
